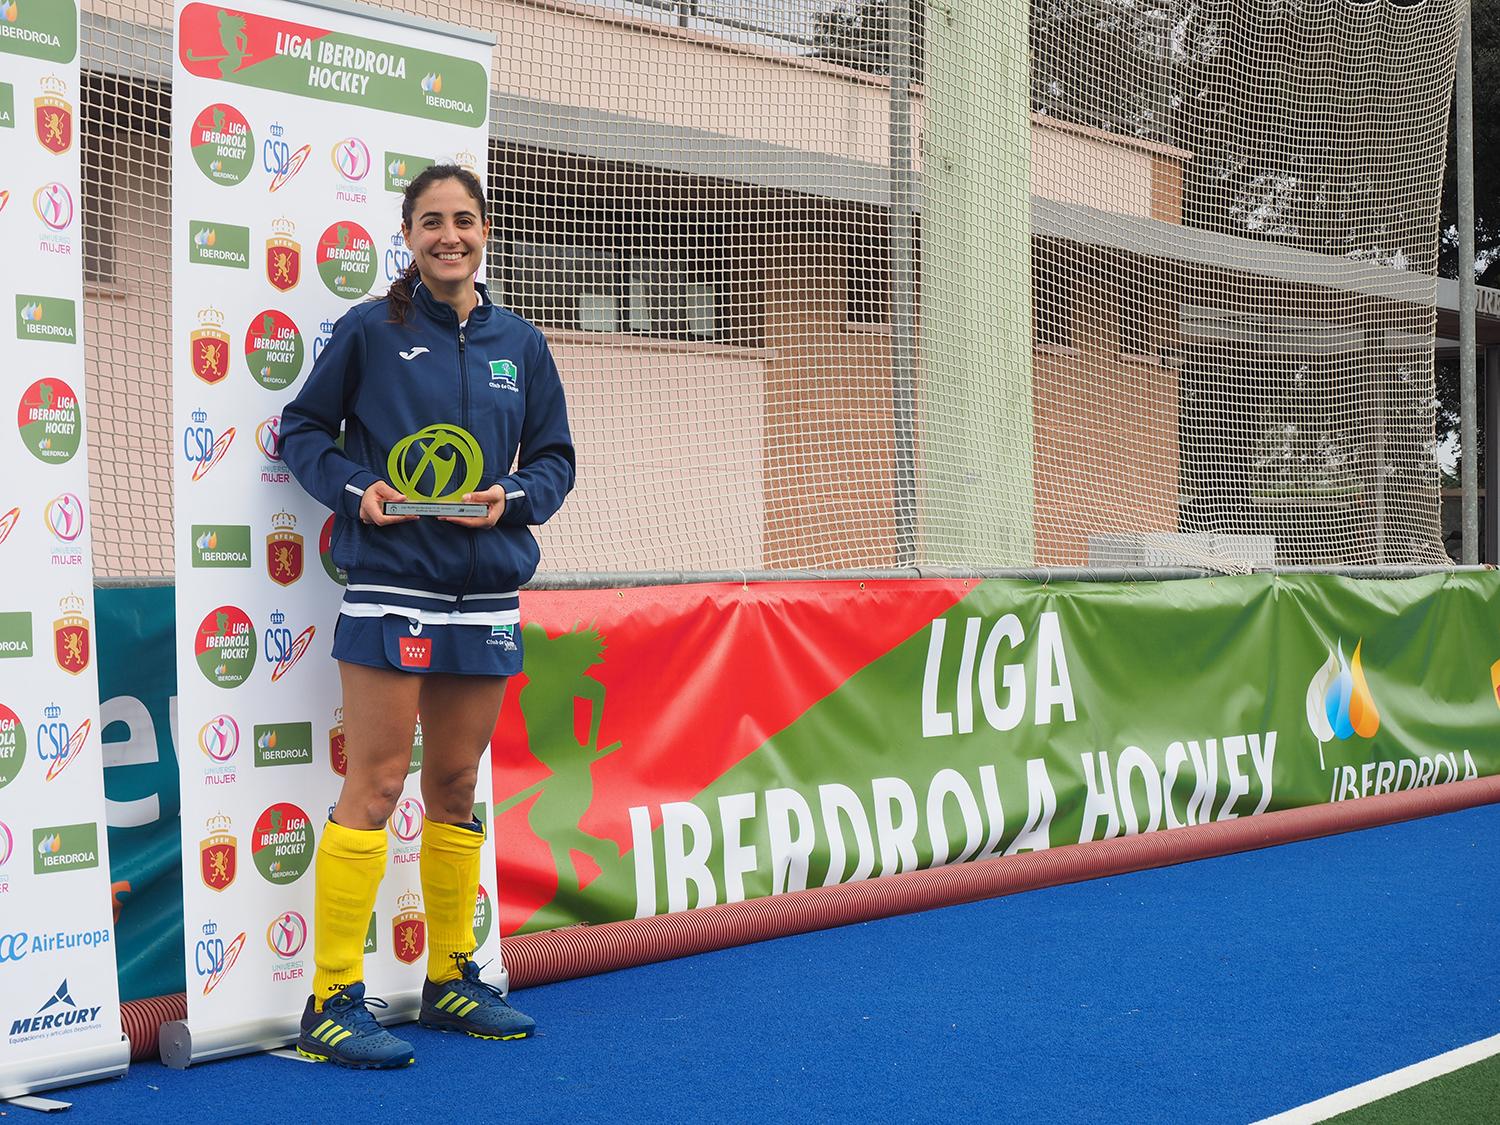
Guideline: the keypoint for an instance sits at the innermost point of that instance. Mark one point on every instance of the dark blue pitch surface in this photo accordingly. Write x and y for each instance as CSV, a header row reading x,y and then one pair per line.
x,y
1217,991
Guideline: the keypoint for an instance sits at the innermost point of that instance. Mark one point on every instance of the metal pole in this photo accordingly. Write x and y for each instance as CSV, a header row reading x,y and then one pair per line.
x,y
903,287
1464,144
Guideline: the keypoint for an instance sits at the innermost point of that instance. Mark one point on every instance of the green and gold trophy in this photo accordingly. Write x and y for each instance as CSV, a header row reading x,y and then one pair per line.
x,y
432,455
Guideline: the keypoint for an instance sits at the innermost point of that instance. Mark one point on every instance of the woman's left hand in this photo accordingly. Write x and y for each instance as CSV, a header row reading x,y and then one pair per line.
x,y
494,496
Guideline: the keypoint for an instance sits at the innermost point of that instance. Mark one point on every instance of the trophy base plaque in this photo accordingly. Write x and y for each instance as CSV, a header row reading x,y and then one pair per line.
x,y
417,508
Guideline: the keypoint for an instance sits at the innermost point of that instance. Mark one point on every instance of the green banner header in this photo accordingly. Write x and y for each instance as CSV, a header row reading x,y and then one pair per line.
x,y
247,49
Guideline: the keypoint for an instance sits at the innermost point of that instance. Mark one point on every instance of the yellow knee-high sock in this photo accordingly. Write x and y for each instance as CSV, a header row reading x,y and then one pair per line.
x,y
450,883
349,866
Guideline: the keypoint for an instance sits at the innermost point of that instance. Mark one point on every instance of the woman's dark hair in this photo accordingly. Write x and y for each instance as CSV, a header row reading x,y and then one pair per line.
x,y
402,288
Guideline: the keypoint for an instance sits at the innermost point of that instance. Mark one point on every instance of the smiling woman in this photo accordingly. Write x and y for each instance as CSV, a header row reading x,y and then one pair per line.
x,y
438,392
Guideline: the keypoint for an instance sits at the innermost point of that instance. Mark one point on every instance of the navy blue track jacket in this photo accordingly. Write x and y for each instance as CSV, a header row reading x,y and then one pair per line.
x,y
381,382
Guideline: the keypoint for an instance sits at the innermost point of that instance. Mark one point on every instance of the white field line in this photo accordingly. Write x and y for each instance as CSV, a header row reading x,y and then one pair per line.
x,y
1387,1084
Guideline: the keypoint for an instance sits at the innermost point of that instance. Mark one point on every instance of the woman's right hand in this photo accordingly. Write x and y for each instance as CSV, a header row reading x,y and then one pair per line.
x,y
372,505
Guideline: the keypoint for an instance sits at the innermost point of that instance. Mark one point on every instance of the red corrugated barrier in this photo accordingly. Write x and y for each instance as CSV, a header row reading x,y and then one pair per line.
x,y
583,950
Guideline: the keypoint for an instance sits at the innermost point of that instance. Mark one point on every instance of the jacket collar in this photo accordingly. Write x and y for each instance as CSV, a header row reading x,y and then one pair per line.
x,y
441,311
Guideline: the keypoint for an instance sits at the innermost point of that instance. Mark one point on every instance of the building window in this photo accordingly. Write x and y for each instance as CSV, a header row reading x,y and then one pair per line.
x,y
595,289
1051,299
1135,320
867,276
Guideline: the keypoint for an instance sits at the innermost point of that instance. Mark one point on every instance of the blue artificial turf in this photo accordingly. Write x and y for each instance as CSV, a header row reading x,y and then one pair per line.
x,y
1223,990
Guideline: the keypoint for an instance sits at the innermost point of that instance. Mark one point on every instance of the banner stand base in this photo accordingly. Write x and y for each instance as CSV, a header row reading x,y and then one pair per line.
x,y
51,1072
41,1105
181,1046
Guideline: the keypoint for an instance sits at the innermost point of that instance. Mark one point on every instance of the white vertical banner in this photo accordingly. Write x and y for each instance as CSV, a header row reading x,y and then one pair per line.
x,y
295,127
59,995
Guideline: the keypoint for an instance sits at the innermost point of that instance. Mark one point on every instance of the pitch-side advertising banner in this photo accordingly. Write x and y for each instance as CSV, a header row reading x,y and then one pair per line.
x,y
677,747
295,127
59,1007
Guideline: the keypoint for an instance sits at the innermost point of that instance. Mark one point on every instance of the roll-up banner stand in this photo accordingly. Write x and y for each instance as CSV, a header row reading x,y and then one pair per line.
x,y
295,128
59,1000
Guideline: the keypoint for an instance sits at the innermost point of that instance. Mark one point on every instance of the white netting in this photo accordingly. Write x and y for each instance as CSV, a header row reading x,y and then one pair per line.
x,y
1095,283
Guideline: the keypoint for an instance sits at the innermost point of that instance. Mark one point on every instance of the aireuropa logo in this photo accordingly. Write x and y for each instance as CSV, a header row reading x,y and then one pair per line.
x,y
57,742
47,319
59,1014
406,821
201,447
64,847
1339,703
219,738
64,514
218,244
18,944
218,545
283,744
351,159
53,205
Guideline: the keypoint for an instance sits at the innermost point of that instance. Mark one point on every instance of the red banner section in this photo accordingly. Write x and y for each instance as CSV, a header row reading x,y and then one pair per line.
x,y
644,696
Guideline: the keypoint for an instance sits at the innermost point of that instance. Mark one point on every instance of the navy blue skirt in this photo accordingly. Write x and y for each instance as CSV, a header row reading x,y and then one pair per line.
x,y
408,645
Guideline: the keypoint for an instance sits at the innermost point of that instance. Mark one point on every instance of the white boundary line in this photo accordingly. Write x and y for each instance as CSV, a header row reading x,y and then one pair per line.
x,y
1387,1084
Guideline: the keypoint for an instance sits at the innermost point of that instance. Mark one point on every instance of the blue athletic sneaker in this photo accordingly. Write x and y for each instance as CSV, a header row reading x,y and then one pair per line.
x,y
345,1032
471,1006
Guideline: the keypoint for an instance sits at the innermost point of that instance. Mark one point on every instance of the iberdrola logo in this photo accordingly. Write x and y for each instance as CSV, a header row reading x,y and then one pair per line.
x,y
1339,703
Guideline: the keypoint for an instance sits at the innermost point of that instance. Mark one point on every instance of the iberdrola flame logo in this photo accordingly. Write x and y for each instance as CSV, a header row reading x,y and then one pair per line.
x,y
1339,703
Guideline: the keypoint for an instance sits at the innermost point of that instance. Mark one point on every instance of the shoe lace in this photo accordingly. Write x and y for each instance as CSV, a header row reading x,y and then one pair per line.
x,y
356,1014
471,971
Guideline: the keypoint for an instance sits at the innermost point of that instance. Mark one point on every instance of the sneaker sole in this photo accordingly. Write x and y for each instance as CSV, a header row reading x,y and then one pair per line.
x,y
392,1064
436,1025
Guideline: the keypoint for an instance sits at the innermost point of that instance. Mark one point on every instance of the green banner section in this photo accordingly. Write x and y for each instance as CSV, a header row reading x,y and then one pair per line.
x,y
53,319
39,29
1034,716
248,49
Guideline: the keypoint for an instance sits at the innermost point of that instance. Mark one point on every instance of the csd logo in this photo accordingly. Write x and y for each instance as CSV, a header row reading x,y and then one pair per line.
x,y
201,448
208,957
397,258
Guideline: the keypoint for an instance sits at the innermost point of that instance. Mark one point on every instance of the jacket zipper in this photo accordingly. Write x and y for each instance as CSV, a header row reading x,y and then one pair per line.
x,y
463,384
